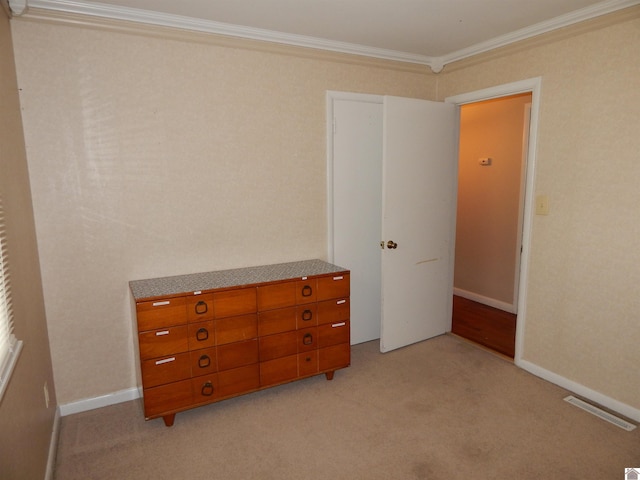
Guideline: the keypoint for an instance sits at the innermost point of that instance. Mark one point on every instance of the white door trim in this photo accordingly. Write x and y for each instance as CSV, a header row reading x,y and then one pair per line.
x,y
533,85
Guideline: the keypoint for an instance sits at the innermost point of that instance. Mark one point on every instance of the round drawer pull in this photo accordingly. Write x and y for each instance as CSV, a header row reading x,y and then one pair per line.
x,y
202,334
202,307
307,315
307,291
307,339
207,389
204,361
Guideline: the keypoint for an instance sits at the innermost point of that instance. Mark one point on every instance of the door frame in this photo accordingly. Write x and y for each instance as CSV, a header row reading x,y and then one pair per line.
x,y
533,86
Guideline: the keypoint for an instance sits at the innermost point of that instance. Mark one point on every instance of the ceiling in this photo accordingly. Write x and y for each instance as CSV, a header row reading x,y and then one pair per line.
x,y
431,32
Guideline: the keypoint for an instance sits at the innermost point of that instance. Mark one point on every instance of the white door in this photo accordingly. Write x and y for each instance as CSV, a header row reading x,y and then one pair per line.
x,y
419,191
357,208
400,295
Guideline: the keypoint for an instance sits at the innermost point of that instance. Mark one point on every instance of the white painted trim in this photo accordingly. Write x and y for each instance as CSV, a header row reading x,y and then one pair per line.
x,y
570,18
492,302
99,402
17,7
533,85
579,389
219,28
53,447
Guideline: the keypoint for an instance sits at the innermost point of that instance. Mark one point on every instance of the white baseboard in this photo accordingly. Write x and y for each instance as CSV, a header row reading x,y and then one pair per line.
x,y
53,447
585,392
492,302
99,402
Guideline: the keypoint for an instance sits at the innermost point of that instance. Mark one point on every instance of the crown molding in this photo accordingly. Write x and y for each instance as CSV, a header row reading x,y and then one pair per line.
x,y
218,28
571,18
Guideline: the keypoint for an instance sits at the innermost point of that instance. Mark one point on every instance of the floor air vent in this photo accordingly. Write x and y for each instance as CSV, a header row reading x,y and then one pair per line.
x,y
618,422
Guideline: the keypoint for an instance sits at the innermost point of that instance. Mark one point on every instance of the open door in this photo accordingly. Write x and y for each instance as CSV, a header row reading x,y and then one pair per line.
x,y
418,225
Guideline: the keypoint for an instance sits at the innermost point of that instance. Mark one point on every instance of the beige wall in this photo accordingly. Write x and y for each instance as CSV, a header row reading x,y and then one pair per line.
x,y
583,298
489,198
153,157
25,422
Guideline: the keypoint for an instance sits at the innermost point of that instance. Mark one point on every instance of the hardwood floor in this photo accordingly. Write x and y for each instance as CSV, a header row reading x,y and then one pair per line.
x,y
488,326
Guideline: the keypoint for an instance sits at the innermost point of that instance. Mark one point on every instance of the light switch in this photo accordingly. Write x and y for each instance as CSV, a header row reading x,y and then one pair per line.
x,y
542,205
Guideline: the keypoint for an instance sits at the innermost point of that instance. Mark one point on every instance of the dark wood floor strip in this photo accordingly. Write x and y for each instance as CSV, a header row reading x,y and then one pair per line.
x,y
488,326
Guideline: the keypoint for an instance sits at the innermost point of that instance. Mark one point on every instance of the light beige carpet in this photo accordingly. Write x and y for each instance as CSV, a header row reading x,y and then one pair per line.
x,y
438,410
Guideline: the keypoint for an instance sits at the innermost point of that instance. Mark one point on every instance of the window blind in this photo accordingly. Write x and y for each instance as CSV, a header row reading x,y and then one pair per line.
x,y
9,346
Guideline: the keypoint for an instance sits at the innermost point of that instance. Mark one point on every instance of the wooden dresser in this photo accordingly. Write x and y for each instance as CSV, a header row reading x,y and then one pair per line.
x,y
206,337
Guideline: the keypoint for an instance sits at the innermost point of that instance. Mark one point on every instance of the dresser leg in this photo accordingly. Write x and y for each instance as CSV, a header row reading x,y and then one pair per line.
x,y
168,419
329,375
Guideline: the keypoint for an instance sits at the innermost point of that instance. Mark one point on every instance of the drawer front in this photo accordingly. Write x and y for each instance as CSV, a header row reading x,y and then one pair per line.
x,y
239,380
237,354
276,321
199,307
203,361
236,329
161,313
306,291
306,315
201,335
205,388
279,370
308,363
166,398
234,302
333,311
279,345
335,286
162,343
307,339
336,356
276,296
333,333
166,370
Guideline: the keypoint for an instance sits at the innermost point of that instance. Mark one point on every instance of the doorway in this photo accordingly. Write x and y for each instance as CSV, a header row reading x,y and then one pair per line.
x,y
493,143
372,297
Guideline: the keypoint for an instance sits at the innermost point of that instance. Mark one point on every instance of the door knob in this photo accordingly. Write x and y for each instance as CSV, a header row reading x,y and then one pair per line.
x,y
392,244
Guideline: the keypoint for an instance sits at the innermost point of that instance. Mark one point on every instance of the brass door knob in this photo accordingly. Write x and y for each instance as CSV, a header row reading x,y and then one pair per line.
x,y
392,244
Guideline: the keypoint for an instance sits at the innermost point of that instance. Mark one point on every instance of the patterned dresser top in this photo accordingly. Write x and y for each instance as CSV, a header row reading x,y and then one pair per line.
x,y
165,286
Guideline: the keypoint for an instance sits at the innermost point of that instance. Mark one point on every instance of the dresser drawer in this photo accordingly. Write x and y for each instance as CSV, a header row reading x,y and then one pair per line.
x,y
333,333
234,355
203,361
276,321
308,363
236,329
279,295
234,302
335,286
166,370
332,311
278,345
165,398
161,313
200,307
239,380
279,370
336,356
306,315
201,335
164,342
206,388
